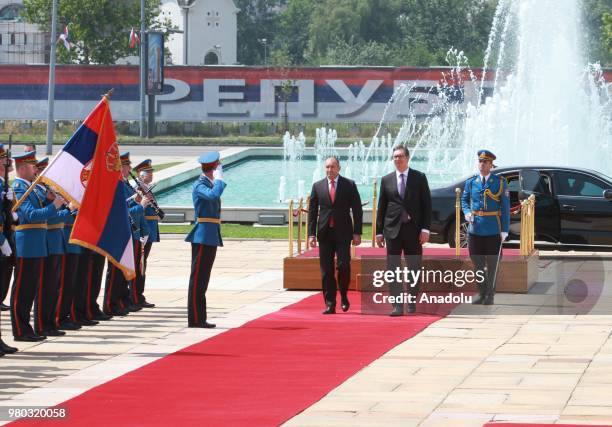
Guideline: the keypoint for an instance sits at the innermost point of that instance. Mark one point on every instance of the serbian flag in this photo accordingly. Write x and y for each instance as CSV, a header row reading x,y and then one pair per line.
x,y
134,40
65,37
87,171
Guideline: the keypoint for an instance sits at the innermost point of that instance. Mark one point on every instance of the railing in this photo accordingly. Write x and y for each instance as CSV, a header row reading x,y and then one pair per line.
x,y
374,212
527,225
457,221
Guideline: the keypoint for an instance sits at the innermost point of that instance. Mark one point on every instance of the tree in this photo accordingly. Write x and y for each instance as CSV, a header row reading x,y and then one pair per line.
x,y
606,38
594,21
99,29
293,35
257,20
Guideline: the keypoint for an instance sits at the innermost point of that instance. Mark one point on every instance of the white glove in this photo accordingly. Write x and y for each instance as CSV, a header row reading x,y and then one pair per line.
x,y
144,240
504,235
218,173
15,216
9,194
468,217
6,249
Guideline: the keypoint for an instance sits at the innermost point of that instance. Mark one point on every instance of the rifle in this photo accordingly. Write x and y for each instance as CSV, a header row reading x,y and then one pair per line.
x,y
7,204
142,192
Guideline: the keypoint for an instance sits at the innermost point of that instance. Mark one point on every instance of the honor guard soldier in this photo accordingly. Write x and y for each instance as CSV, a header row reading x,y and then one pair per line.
x,y
144,170
31,247
6,251
117,295
46,296
205,237
7,260
486,205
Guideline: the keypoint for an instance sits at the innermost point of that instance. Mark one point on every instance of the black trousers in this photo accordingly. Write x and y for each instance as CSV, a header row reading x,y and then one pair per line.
x,y
138,291
115,289
406,242
202,260
46,295
95,270
6,272
82,287
483,252
28,278
330,247
137,284
67,287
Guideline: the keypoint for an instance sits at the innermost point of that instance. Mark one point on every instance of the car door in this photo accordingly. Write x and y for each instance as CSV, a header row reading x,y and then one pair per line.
x,y
586,215
547,219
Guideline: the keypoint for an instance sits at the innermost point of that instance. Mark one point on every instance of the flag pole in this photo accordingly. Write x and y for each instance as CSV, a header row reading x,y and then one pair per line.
x,y
51,94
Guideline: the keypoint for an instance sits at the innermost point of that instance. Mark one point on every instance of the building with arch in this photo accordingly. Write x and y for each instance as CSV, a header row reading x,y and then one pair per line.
x,y
210,31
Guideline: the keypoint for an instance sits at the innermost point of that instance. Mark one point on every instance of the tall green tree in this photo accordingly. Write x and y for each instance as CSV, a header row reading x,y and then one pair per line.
x,y
594,14
99,29
293,34
606,38
257,20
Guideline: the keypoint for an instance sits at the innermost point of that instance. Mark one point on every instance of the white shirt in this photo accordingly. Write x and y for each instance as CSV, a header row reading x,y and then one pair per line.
x,y
485,177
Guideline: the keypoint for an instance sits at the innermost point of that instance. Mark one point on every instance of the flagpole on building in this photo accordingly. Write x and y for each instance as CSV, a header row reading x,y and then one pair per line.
x,y
143,108
51,95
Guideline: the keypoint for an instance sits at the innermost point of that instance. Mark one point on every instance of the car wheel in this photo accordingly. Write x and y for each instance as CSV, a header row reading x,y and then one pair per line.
x,y
463,234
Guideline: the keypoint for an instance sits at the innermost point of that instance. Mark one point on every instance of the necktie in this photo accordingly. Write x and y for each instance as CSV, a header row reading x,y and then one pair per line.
x,y
332,196
484,181
404,217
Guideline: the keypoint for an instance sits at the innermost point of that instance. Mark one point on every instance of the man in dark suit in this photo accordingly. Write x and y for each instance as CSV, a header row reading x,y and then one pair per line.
x,y
331,201
403,221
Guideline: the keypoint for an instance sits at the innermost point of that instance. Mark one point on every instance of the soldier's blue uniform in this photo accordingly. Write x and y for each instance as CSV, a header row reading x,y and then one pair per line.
x,y
205,237
152,220
489,206
31,250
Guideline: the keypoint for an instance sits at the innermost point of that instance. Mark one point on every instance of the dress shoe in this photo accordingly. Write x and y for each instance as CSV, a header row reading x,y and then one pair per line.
x,y
133,307
205,325
31,338
101,316
6,349
54,333
120,312
411,308
489,300
4,307
87,322
68,325
331,309
345,304
147,305
397,311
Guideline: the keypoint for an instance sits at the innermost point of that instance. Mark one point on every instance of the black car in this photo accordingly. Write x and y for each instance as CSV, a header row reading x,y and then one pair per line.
x,y
573,206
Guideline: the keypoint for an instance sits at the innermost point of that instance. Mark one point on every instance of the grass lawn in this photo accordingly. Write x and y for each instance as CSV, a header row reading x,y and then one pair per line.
x,y
157,168
240,231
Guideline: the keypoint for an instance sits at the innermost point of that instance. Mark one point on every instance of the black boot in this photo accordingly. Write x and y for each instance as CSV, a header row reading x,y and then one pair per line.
x,y
6,349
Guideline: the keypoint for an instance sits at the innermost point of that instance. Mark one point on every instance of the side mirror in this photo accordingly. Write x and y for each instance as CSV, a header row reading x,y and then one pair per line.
x,y
607,194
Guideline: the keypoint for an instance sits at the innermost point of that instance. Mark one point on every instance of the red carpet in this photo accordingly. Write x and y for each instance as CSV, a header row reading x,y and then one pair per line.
x,y
543,425
436,252
260,374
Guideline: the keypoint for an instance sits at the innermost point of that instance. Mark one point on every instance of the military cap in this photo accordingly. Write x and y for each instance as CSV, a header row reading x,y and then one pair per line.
x,y
209,159
42,163
486,155
28,157
145,165
125,158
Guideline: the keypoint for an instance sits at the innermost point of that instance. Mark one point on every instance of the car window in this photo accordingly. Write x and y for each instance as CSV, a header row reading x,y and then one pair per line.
x,y
577,184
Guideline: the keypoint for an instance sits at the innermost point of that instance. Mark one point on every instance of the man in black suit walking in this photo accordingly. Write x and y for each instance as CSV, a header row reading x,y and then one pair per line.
x,y
331,201
403,221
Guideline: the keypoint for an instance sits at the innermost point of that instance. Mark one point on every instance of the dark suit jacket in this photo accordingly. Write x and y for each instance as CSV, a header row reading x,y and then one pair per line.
x,y
416,202
321,209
